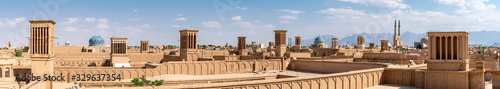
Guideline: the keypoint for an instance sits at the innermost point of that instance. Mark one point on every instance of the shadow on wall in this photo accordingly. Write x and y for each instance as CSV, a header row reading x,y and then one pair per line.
x,y
331,67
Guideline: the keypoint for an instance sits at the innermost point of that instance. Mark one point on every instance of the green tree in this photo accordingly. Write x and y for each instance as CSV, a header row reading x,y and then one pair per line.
x,y
481,51
143,81
18,52
404,49
203,46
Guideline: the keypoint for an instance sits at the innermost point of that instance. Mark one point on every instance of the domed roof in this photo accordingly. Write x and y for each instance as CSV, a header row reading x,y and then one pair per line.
x,y
319,40
425,39
96,41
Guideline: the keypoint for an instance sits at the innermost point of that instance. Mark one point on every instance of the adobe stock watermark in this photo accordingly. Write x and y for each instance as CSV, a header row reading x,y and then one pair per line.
x,y
223,6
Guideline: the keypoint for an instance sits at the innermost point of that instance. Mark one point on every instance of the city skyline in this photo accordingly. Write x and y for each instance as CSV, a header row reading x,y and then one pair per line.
x,y
159,22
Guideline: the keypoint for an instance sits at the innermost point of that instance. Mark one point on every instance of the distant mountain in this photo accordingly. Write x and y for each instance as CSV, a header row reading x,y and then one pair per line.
x,y
477,37
484,37
496,44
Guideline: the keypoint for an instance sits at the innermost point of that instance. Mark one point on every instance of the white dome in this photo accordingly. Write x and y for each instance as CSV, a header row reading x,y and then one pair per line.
x,y
425,39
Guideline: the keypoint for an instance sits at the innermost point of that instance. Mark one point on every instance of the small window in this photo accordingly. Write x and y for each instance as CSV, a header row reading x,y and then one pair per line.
x,y
7,73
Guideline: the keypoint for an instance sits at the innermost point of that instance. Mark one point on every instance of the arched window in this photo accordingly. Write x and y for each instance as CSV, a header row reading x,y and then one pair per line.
x,y
7,73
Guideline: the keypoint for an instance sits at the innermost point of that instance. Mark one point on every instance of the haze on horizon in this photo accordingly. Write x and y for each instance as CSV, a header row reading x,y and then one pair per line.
x,y
222,21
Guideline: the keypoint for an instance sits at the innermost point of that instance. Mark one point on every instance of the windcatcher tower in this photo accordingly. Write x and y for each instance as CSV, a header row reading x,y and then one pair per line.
x,y
144,46
242,45
448,49
335,43
298,42
189,44
10,45
280,39
384,45
448,64
119,52
41,48
271,47
361,42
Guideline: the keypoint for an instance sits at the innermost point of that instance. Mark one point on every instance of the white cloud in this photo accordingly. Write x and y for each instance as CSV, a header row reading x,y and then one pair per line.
x,y
250,25
133,19
135,10
15,21
356,16
175,26
179,14
256,21
288,17
284,21
381,3
144,26
243,24
103,23
90,19
268,26
249,32
132,30
70,29
236,18
180,19
341,11
211,24
71,21
467,6
241,8
428,14
295,12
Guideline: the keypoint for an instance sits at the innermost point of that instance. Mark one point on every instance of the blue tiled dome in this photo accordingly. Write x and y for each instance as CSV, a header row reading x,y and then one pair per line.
x,y
96,41
319,40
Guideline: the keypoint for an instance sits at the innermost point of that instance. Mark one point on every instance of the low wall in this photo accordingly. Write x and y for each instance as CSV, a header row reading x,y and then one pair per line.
x,y
210,54
167,58
392,61
393,58
348,80
399,76
434,79
488,64
59,63
496,77
187,68
298,54
225,58
124,84
145,57
384,56
331,66
68,55
251,57
443,79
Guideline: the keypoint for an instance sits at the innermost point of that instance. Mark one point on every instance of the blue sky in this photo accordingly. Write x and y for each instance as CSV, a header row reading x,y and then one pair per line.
x,y
159,20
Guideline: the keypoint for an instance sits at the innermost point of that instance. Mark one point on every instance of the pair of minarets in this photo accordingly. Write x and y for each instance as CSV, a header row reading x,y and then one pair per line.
x,y
399,27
